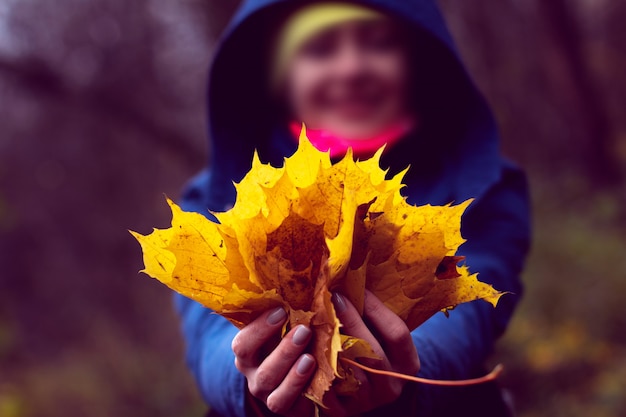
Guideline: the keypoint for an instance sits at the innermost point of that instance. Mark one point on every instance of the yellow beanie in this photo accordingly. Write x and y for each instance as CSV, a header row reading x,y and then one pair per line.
x,y
310,20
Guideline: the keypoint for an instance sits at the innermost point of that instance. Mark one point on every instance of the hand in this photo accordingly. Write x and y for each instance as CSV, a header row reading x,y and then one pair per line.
x,y
277,371
390,339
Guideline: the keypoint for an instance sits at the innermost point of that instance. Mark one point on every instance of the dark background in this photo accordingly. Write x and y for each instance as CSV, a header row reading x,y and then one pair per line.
x,y
102,112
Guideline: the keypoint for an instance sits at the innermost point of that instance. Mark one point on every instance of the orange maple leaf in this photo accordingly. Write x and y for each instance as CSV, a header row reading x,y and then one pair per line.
x,y
298,233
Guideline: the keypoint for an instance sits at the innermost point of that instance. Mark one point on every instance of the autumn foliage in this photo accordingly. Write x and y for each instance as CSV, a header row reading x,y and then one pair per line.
x,y
298,233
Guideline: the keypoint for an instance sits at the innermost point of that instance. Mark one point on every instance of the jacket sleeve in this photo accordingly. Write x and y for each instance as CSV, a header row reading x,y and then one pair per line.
x,y
497,231
211,359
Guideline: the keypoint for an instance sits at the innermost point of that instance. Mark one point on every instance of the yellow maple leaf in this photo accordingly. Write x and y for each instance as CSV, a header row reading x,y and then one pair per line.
x,y
298,233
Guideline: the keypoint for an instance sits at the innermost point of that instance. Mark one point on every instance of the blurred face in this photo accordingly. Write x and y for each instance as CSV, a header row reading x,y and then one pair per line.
x,y
350,79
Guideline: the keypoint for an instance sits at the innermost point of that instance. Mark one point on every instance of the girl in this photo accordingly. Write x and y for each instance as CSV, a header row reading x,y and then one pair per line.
x,y
358,75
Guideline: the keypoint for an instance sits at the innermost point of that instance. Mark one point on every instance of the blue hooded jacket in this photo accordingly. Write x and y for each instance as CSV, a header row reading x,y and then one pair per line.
x,y
453,157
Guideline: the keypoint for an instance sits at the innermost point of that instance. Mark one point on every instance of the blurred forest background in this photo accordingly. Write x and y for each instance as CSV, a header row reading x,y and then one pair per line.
x,y
102,112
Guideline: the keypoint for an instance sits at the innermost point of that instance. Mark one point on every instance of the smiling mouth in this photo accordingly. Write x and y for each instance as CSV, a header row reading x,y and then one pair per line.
x,y
355,107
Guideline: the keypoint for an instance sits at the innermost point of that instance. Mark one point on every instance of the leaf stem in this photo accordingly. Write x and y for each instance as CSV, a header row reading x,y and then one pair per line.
x,y
489,377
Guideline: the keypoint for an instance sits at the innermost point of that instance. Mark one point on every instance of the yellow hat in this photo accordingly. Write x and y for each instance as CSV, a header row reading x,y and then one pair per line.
x,y
309,21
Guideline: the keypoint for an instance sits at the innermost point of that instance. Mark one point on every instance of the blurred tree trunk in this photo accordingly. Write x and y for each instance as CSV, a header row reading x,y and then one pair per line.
x,y
601,165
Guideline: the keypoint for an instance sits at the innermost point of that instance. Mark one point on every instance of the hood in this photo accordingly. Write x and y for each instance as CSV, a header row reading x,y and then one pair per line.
x,y
454,157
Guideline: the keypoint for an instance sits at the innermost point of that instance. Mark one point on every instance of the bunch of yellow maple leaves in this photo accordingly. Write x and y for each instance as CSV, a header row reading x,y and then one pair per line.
x,y
300,232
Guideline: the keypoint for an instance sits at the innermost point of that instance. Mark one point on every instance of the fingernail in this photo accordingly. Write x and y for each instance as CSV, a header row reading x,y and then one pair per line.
x,y
301,335
305,365
339,302
276,316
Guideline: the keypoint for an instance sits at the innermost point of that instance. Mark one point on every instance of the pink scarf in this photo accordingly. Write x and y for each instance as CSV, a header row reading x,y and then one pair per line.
x,y
324,140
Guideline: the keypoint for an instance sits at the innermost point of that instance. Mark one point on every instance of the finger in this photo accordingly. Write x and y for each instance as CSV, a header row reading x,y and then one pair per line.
x,y
287,397
249,342
276,366
352,323
392,333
